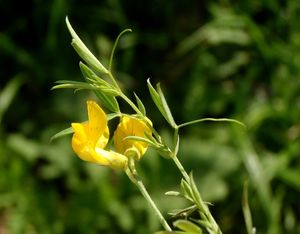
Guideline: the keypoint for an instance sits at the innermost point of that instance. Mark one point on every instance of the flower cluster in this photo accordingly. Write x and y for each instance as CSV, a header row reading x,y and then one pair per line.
x,y
90,138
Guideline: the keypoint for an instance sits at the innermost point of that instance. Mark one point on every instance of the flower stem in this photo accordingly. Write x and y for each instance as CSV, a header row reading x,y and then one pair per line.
x,y
146,195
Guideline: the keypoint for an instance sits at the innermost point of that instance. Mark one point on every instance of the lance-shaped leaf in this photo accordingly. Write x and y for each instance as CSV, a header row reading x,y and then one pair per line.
x,y
84,52
140,105
105,92
173,193
186,190
69,84
62,133
161,104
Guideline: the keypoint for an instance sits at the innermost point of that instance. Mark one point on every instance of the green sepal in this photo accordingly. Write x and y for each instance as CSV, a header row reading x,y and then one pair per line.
x,y
84,52
187,226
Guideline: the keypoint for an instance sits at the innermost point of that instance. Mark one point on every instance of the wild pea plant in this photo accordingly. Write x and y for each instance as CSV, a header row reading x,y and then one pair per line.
x,y
133,135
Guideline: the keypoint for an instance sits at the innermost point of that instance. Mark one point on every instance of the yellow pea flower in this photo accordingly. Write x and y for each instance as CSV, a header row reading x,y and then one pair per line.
x,y
90,138
131,127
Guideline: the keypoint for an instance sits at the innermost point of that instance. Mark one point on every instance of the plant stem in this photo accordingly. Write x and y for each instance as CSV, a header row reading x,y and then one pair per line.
x,y
146,195
201,205
181,168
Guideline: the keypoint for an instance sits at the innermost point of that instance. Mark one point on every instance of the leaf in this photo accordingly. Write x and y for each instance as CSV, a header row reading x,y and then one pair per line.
x,y
195,193
172,193
62,133
89,75
84,52
186,190
140,105
137,138
106,93
160,102
77,85
187,226
9,92
154,95
167,110
112,116
185,212
108,101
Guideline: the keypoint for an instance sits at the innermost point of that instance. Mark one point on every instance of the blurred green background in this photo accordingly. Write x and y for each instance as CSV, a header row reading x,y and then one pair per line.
x,y
234,59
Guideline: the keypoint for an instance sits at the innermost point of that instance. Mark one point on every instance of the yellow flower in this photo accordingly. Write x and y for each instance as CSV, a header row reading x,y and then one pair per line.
x,y
91,137
131,127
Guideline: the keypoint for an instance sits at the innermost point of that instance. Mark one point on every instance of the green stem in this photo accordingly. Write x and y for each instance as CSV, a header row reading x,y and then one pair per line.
x,y
115,83
146,195
210,119
202,206
181,168
130,103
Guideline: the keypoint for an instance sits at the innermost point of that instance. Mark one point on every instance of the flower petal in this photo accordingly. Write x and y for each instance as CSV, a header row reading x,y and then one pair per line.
x,y
80,142
97,123
131,127
115,160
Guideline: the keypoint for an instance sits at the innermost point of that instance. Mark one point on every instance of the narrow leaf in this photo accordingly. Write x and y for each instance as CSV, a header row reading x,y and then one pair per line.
x,y
88,74
142,139
62,133
74,86
172,193
140,105
9,92
84,52
168,115
160,102
112,116
195,193
186,190
155,96
108,101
